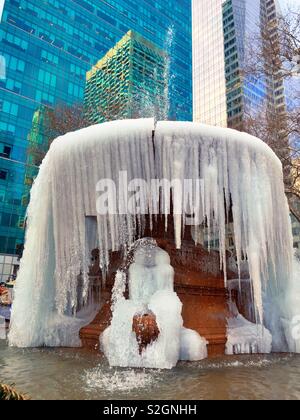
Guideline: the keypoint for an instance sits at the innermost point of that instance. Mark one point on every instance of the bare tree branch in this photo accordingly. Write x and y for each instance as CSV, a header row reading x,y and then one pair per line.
x,y
274,57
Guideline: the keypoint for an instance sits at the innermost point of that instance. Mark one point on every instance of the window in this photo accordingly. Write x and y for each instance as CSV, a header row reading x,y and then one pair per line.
x,y
5,150
48,57
75,90
9,220
78,71
3,175
9,108
16,64
47,78
13,85
44,98
17,42
7,128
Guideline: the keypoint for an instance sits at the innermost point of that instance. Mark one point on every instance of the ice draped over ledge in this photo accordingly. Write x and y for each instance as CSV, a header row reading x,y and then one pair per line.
x,y
238,172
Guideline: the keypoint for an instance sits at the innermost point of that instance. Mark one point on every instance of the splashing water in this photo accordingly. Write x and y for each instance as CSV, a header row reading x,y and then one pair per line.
x,y
231,164
121,381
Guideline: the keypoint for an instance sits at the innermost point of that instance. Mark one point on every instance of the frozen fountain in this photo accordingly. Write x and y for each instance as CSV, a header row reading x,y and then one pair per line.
x,y
151,295
177,288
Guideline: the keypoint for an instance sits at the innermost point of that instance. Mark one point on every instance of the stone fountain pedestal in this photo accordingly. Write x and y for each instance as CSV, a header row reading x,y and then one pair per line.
x,y
199,284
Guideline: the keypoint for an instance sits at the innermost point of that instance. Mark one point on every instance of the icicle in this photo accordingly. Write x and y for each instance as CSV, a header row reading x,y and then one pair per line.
x,y
235,169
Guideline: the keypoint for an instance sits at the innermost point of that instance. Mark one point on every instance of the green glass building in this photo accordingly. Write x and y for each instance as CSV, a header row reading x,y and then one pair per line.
x,y
130,81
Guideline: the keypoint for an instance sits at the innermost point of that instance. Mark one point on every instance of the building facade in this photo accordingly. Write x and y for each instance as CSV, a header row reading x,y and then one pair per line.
x,y
245,95
224,95
130,81
46,48
223,35
209,85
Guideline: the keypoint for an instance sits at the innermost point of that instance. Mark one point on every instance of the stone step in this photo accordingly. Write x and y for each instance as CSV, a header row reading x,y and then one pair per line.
x,y
90,334
205,310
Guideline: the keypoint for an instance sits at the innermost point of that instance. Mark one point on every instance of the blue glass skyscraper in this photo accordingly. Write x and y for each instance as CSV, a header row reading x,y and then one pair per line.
x,y
47,48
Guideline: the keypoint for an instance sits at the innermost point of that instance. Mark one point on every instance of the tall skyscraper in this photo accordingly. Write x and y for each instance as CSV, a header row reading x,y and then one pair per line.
x,y
47,48
241,23
209,85
130,81
223,34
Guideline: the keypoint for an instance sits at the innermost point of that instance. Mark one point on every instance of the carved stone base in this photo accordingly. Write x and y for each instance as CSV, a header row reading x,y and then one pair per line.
x,y
205,310
90,334
199,284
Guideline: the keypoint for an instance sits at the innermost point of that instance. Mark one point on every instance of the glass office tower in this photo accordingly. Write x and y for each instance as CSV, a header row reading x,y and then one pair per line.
x,y
47,48
130,81
244,94
222,34
209,86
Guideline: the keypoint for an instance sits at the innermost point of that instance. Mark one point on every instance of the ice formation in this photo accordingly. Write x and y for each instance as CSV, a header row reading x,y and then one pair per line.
x,y
193,347
244,337
151,289
238,171
291,322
